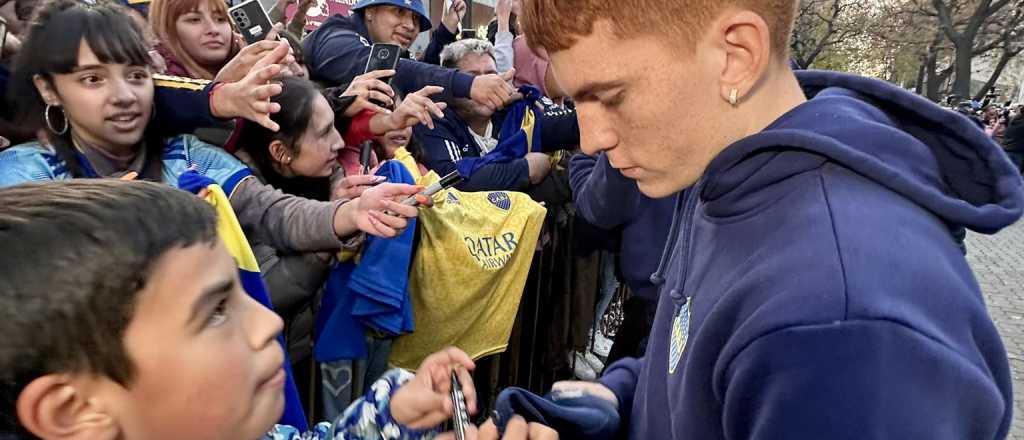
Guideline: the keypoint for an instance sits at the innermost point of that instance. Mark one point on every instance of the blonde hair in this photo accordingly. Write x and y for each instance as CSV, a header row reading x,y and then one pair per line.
x,y
163,16
556,24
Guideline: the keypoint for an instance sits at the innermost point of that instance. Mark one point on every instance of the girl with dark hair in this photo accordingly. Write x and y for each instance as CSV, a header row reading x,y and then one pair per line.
x,y
300,159
85,78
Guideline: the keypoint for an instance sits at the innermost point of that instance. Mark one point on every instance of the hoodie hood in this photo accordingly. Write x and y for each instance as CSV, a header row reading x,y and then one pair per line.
x,y
932,156
352,23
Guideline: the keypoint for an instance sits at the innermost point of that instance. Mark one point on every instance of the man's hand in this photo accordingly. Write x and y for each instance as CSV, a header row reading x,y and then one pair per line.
x,y
424,402
493,91
368,88
416,108
250,97
454,15
540,167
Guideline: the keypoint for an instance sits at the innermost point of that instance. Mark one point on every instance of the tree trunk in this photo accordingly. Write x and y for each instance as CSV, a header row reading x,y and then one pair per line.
x,y
962,66
1004,59
933,80
921,71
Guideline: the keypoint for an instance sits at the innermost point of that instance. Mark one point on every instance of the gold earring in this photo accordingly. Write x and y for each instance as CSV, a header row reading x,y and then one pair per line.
x,y
734,97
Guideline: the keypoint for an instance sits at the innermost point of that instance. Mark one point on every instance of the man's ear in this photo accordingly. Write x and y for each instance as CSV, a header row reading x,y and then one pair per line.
x,y
46,90
58,407
745,38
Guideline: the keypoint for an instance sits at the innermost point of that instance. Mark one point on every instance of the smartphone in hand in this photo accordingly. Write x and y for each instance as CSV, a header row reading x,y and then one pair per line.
x,y
383,56
251,21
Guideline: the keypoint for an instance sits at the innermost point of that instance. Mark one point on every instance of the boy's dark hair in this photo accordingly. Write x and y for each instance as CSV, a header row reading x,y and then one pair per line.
x,y
75,255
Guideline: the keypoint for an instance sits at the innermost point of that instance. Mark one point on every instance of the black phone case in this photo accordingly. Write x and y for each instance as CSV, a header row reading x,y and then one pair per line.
x,y
383,57
251,21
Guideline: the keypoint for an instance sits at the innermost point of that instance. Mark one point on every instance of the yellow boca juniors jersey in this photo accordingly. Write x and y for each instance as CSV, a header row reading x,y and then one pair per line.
x,y
468,275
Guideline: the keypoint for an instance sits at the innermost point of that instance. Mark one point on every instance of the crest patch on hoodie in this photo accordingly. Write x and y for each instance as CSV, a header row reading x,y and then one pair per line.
x,y
680,333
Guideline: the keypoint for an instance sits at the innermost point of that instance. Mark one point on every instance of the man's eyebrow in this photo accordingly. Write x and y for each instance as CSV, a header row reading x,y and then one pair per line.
x,y
588,91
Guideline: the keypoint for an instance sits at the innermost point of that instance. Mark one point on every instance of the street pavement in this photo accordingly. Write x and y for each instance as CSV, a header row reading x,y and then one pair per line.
x,y
998,263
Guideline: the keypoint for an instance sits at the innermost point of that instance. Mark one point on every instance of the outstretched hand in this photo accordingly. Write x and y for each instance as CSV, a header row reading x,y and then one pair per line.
x,y
379,211
249,57
417,108
249,98
494,91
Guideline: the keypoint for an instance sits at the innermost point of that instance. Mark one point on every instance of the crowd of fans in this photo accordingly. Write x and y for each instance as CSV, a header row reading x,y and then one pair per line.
x,y
1004,123
158,90
124,107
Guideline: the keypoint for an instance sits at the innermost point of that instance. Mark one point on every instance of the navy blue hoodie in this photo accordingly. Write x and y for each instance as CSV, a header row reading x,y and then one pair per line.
x,y
816,287
336,52
607,199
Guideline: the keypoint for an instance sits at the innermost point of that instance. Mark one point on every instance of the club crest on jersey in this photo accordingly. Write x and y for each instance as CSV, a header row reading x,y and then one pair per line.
x,y
680,333
501,200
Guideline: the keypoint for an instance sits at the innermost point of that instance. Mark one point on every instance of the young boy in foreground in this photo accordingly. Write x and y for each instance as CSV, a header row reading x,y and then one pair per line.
x,y
123,318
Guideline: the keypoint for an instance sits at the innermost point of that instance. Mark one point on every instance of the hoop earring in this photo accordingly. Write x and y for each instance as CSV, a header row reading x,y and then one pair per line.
x,y
734,97
49,123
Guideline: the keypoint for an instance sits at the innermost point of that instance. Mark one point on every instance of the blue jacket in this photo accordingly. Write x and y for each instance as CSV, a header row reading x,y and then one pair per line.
x,y
451,141
173,95
816,289
33,162
607,199
336,52
371,295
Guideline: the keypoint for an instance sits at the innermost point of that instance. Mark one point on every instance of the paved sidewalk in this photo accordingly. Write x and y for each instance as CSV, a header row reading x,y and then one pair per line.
x,y
998,262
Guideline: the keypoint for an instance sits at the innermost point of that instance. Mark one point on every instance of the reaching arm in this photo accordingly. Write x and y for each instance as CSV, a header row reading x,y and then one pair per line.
x,y
603,196
339,58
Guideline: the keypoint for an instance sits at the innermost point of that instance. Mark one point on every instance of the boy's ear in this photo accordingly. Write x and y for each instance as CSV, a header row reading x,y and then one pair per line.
x,y
57,407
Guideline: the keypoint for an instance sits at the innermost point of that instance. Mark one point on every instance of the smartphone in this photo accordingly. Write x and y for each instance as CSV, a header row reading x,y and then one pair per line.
x,y
461,419
383,57
251,20
446,182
